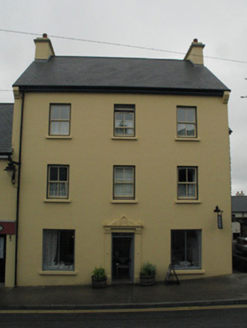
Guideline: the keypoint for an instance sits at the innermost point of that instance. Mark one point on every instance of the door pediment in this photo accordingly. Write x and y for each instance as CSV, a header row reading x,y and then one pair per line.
x,y
123,223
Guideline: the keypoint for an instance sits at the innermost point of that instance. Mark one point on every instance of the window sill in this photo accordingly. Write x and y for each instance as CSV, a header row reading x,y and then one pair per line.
x,y
57,273
57,201
188,201
123,201
188,139
58,137
184,272
125,138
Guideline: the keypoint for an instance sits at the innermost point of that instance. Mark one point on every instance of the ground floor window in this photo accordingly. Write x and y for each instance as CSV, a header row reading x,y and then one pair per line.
x,y
58,249
186,249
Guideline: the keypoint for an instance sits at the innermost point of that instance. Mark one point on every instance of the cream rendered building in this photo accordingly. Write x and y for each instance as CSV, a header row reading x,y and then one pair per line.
x,y
123,161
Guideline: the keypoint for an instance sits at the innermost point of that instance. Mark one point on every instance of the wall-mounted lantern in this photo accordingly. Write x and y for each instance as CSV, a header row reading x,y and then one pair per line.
x,y
219,217
12,169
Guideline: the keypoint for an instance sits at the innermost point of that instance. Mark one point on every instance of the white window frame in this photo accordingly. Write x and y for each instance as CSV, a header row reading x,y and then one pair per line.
x,y
124,110
124,182
58,182
186,122
59,120
187,183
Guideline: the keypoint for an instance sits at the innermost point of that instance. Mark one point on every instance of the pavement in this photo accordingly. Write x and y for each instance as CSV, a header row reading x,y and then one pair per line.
x,y
220,291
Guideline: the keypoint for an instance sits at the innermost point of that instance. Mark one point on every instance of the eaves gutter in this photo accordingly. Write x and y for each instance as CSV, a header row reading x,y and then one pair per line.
x,y
125,90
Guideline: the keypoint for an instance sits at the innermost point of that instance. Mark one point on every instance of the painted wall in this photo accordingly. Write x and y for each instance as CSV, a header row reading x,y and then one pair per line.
x,y
91,153
8,213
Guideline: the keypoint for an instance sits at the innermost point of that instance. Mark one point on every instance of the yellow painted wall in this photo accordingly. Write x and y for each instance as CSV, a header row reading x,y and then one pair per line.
x,y
91,153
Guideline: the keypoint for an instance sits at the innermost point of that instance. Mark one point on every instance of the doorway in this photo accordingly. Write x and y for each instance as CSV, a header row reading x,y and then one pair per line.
x,y
123,257
2,258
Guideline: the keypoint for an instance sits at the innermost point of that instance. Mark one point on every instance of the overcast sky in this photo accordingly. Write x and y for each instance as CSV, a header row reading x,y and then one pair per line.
x,y
167,25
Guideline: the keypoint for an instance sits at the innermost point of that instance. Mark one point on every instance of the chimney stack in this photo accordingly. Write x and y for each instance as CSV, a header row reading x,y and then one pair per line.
x,y
44,48
195,53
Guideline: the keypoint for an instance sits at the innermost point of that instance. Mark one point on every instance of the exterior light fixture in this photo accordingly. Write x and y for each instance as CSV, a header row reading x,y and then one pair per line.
x,y
219,217
11,168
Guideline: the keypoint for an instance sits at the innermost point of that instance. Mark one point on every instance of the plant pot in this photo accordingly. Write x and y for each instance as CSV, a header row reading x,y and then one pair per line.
x,y
99,283
147,280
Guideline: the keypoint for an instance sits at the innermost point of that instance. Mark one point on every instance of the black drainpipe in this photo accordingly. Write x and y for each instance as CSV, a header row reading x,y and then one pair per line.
x,y
18,187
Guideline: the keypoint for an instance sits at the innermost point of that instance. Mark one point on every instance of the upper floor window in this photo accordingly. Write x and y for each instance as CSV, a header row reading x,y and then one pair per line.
x,y
59,120
124,121
186,122
58,181
187,183
124,182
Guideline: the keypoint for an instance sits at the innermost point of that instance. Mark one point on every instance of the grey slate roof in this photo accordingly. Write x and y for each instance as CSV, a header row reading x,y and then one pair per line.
x,y
239,204
158,75
6,120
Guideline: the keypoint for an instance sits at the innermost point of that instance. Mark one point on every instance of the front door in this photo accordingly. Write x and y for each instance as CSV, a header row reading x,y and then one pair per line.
x,y
123,257
2,258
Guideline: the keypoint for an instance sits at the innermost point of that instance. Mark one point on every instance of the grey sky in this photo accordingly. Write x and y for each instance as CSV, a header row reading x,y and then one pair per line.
x,y
161,24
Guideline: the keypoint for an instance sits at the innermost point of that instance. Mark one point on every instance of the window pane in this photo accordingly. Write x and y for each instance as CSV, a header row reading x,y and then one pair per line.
x,y
128,174
190,115
55,128
55,113
181,115
182,175
52,189
191,175
130,132
129,122
181,130
119,119
129,192
181,190
64,128
119,190
53,173
62,189
65,113
177,243
119,174
119,131
190,129
193,247
63,173
191,189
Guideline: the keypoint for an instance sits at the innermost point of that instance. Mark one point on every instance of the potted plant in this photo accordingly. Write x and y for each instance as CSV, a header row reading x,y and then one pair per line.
x,y
147,274
99,278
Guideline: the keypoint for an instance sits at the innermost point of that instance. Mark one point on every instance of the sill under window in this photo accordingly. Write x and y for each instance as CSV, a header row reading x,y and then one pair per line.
x,y
124,201
124,138
188,139
68,137
57,273
189,271
188,201
57,200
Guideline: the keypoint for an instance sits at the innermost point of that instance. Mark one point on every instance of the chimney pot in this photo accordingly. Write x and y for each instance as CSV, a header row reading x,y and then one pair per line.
x,y
44,35
195,40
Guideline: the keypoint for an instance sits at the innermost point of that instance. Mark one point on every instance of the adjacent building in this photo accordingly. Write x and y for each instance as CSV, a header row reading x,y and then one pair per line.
x,y
119,161
8,198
